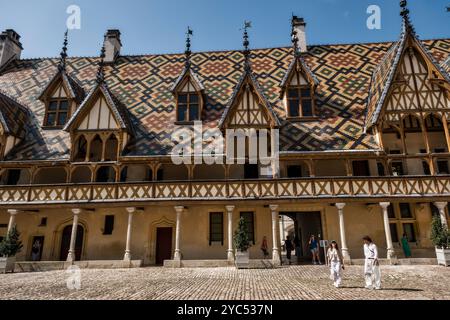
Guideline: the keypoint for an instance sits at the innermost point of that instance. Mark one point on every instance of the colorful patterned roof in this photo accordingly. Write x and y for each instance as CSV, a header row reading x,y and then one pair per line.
x,y
13,116
143,83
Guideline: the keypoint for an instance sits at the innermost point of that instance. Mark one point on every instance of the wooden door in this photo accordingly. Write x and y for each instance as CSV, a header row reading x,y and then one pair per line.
x,y
163,245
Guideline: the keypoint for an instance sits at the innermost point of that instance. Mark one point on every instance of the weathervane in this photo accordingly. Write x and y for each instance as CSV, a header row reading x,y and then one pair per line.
x,y
188,51
62,61
405,15
247,25
101,65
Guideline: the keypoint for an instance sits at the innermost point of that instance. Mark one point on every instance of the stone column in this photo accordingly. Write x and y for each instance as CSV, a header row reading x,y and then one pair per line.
x,y
441,207
12,219
230,253
71,255
390,247
127,256
177,254
275,225
344,248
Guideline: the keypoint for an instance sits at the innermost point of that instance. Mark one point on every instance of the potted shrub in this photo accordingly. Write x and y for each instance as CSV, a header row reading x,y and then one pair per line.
x,y
9,247
242,244
440,236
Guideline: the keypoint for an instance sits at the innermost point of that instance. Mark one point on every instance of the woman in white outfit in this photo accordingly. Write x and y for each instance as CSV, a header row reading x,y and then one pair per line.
x,y
371,266
336,263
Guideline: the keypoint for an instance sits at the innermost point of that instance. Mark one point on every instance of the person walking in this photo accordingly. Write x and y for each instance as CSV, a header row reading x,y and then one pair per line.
x,y
264,247
372,272
336,263
289,247
313,245
405,246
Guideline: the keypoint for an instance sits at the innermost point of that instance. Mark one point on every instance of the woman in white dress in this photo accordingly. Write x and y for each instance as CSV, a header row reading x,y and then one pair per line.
x,y
372,272
336,263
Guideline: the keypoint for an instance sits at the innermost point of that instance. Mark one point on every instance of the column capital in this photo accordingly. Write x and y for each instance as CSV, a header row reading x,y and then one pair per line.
x,y
273,207
76,211
340,205
230,208
440,205
384,205
13,212
131,209
179,209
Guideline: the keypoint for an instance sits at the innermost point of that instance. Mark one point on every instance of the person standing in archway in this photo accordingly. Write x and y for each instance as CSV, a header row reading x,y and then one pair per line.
x,y
289,247
313,245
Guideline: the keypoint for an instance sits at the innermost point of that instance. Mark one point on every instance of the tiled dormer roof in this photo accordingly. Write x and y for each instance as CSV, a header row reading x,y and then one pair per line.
x,y
143,85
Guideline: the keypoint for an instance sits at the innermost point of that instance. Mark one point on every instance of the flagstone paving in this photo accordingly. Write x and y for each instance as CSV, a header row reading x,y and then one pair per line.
x,y
293,282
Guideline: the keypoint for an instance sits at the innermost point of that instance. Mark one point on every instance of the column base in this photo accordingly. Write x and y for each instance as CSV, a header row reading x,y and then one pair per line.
x,y
127,256
276,262
346,255
230,255
70,258
392,257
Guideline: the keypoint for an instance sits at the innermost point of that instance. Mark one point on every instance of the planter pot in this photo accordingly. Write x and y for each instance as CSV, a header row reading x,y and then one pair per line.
x,y
242,260
443,256
7,264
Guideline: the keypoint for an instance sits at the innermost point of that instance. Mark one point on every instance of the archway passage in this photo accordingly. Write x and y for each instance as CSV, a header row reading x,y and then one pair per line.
x,y
65,242
303,225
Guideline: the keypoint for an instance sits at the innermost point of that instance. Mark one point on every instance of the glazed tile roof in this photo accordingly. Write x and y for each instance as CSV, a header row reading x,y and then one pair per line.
x,y
143,85
13,116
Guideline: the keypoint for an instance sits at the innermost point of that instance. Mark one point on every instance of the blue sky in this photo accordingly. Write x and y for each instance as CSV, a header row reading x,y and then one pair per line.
x,y
157,26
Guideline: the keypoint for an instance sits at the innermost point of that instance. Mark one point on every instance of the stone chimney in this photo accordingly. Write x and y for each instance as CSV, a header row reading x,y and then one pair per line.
x,y
299,25
112,45
10,46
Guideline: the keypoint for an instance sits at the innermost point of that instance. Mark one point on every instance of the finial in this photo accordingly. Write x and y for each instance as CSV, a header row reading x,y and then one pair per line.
x,y
247,25
101,65
294,38
405,15
188,51
62,61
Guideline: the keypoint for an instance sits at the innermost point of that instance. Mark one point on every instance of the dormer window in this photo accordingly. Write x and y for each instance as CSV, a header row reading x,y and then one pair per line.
x,y
57,113
300,101
188,107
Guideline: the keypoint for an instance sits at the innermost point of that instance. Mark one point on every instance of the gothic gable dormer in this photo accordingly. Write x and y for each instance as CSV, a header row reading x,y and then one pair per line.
x,y
188,92
248,107
407,80
61,95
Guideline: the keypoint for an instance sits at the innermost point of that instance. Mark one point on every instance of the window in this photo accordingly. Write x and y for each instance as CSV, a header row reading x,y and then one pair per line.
x,y
405,211
109,225
442,166
57,113
426,168
249,225
13,177
394,233
43,222
188,107
215,227
391,211
408,228
361,168
294,171
300,103
397,168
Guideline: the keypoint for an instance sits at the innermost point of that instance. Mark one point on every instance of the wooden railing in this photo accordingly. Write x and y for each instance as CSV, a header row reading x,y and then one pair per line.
x,y
303,188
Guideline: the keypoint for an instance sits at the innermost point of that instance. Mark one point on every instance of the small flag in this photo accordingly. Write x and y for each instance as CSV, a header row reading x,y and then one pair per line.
x,y
247,24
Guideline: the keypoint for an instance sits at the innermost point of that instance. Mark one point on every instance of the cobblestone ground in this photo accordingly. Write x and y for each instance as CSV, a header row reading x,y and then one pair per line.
x,y
294,282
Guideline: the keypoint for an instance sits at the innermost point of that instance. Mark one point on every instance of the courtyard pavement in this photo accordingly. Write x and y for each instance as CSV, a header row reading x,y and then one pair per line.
x,y
286,283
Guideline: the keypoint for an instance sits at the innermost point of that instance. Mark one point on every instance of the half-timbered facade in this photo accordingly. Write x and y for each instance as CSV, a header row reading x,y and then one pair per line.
x,y
85,149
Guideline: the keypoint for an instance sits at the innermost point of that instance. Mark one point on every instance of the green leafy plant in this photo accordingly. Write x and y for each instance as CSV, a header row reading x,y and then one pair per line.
x,y
241,241
11,245
440,235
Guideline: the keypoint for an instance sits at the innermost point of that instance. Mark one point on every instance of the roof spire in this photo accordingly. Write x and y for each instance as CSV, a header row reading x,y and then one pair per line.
x,y
405,15
294,37
188,51
246,43
101,65
62,61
